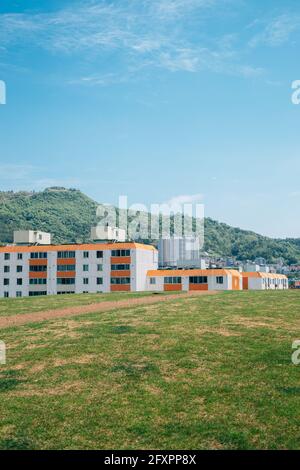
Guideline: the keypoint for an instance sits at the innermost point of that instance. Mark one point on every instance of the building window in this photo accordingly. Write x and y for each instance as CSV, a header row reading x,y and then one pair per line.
x,y
37,255
66,293
6,295
85,267
198,280
38,269
6,269
220,280
120,267
65,254
6,282
99,267
20,255
172,280
99,254
99,281
85,280
86,254
152,280
120,280
66,281
37,293
37,282
19,282
118,253
19,293
7,256
65,267
19,269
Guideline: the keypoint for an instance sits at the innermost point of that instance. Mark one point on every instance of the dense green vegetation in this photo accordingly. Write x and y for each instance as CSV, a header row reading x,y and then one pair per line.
x,y
196,373
69,215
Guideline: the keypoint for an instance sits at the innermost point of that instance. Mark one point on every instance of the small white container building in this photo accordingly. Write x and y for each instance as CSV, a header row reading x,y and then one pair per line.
x,y
108,233
31,237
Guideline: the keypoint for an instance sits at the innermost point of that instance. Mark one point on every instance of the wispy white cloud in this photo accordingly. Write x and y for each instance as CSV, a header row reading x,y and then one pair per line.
x,y
180,59
277,32
145,34
170,9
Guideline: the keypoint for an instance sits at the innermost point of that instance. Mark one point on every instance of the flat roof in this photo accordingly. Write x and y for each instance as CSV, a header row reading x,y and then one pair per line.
x,y
193,272
76,247
264,275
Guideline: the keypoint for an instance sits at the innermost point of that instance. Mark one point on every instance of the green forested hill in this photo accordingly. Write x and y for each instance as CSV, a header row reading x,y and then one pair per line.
x,y
68,214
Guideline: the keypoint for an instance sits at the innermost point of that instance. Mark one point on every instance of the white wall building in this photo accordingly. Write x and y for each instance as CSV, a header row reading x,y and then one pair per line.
x,y
194,280
264,281
58,269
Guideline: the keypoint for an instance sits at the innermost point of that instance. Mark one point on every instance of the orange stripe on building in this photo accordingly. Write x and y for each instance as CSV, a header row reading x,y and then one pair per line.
x,y
120,260
192,272
198,287
38,262
38,275
172,287
120,273
66,261
120,287
79,247
66,274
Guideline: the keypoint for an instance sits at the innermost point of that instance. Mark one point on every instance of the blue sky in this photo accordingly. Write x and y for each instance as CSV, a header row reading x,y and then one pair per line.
x,y
156,99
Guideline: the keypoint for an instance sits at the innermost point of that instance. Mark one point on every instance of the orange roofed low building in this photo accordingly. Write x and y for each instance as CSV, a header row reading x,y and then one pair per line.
x,y
264,281
194,280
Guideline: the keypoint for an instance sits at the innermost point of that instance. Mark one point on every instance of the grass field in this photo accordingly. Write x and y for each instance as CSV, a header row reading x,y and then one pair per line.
x,y
209,372
54,302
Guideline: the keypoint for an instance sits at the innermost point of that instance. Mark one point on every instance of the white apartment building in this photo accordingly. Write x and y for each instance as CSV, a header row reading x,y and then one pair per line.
x,y
87,268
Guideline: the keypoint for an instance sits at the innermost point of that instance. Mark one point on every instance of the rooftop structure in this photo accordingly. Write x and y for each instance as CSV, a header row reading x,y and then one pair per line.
x,y
31,237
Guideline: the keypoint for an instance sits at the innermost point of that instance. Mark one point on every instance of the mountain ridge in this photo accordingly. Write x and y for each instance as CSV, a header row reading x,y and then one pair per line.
x,y
69,214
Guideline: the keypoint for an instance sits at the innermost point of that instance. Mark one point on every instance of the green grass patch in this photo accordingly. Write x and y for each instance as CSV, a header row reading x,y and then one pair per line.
x,y
209,372
18,306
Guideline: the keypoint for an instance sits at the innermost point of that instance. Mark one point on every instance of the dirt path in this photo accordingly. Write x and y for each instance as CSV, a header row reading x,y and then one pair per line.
x,y
22,319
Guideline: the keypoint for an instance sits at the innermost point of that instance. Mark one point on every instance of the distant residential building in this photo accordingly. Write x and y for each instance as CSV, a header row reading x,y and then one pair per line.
x,y
251,267
179,252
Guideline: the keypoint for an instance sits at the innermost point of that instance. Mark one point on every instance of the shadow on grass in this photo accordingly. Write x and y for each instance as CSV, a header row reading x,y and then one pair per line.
x,y
9,380
133,370
289,390
15,444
